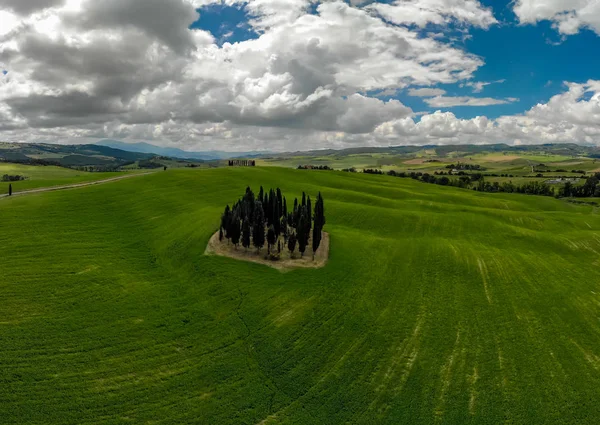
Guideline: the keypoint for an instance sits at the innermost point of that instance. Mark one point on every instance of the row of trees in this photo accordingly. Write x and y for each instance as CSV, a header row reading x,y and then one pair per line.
x,y
266,218
591,187
314,167
462,166
242,163
9,178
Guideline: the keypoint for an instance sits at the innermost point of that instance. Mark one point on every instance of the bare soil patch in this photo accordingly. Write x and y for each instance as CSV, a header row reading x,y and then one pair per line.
x,y
499,158
285,262
415,161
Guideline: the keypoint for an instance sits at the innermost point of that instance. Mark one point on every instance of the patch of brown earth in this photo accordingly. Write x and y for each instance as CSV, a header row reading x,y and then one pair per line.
x,y
499,158
415,161
285,262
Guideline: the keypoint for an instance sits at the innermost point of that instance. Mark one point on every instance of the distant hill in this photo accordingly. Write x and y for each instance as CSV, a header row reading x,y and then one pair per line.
x,y
69,155
443,150
143,147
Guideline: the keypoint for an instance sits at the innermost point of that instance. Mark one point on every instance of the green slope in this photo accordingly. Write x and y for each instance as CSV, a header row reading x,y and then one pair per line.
x,y
438,305
47,176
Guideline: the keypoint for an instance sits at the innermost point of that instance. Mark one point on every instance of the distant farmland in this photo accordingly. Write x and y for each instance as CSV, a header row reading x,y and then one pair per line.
x,y
437,305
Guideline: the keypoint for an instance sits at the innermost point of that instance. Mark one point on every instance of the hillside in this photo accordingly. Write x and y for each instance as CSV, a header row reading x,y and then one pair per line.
x,y
174,152
69,155
437,305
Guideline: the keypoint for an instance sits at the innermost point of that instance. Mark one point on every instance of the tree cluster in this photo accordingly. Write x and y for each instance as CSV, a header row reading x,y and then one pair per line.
x,y
9,178
461,166
254,220
314,167
372,171
242,163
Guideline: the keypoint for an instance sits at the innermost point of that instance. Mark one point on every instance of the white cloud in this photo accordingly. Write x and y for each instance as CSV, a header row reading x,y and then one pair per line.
x,y
478,86
426,92
567,16
440,12
83,70
449,101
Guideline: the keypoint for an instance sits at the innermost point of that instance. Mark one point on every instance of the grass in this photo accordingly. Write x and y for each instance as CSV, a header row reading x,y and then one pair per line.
x,y
46,176
437,305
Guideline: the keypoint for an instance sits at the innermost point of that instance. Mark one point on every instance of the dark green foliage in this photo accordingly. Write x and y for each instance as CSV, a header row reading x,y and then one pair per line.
x,y
235,227
284,228
10,178
10,190
226,222
292,243
249,217
246,233
271,238
301,234
258,226
319,218
309,213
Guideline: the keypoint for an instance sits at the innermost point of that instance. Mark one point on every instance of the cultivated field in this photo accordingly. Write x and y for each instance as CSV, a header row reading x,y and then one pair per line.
x,y
437,305
47,176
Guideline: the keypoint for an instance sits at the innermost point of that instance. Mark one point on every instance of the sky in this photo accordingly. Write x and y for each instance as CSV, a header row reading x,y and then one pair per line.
x,y
288,75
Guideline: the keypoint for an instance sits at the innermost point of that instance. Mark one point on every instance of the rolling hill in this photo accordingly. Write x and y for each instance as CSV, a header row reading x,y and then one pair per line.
x,y
174,152
437,305
68,155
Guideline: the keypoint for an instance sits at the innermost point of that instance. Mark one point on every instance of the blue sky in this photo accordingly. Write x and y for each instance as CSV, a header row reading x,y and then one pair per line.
x,y
533,60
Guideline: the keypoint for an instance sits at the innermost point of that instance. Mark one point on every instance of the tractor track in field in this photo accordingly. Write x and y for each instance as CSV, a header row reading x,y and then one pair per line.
x,y
74,185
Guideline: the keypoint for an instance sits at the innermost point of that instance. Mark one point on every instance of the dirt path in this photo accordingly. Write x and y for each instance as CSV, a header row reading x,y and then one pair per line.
x,y
74,185
215,247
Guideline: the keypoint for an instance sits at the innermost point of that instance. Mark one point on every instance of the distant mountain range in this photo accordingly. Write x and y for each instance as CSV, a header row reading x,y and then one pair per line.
x,y
143,147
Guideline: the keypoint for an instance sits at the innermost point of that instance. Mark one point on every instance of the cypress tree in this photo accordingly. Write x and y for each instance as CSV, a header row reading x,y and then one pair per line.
x,y
10,189
235,228
284,212
301,235
246,233
279,204
261,195
309,213
271,238
316,239
258,227
319,223
292,244
225,222
276,221
284,228
303,199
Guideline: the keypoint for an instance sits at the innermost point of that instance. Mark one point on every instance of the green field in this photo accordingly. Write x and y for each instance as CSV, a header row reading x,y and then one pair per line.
x,y
437,305
47,176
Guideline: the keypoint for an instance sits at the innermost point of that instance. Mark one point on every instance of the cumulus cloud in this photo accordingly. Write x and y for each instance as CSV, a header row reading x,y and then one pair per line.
x,y
449,101
80,70
426,92
423,12
567,16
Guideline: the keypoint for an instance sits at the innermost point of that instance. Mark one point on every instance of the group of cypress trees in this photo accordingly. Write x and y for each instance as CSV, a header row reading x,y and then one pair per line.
x,y
265,218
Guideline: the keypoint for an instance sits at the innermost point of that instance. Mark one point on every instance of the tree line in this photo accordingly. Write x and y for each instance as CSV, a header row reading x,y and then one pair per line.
x,y
477,182
314,167
256,220
9,178
242,163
